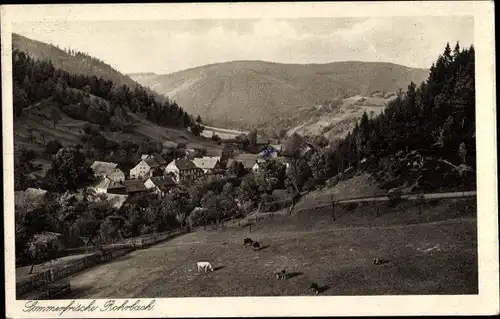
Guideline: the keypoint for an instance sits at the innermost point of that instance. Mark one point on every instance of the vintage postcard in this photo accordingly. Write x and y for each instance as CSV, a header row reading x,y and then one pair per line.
x,y
249,159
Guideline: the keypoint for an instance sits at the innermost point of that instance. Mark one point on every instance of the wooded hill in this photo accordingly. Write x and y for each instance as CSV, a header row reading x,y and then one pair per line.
x,y
424,139
265,95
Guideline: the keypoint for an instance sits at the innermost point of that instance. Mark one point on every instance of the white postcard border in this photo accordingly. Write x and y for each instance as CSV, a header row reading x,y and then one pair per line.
x,y
486,302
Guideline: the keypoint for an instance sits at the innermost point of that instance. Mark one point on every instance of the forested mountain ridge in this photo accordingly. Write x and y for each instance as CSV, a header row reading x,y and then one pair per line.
x,y
75,62
249,94
424,139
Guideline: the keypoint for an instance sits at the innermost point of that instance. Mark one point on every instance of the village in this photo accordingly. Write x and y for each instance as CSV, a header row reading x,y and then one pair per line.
x,y
154,175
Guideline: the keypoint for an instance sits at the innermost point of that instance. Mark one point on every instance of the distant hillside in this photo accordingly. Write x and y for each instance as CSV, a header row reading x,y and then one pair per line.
x,y
74,62
243,94
336,120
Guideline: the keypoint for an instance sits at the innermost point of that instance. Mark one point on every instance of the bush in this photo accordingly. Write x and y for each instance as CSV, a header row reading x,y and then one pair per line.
x,y
52,147
216,138
394,197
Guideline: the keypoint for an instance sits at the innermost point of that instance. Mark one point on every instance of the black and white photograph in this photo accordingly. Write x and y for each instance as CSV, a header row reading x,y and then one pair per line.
x,y
247,153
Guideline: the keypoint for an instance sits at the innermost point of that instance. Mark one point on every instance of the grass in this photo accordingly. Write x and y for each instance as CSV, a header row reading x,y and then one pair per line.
x,y
23,272
357,186
436,255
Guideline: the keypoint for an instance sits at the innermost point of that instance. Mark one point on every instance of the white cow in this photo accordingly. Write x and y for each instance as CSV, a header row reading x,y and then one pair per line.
x,y
205,265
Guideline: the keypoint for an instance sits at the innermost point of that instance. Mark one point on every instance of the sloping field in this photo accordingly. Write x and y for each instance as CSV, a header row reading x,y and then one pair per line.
x,y
361,185
437,256
70,131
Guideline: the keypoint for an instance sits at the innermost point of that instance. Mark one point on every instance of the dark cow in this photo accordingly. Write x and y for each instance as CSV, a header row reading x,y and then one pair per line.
x,y
314,288
256,246
281,275
379,261
247,241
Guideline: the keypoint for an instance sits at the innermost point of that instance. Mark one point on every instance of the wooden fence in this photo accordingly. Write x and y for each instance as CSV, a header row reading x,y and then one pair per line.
x,y
276,205
109,252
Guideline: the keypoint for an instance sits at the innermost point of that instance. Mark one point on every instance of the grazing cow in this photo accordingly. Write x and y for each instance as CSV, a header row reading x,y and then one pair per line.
x,y
256,246
379,261
314,288
281,275
247,241
205,265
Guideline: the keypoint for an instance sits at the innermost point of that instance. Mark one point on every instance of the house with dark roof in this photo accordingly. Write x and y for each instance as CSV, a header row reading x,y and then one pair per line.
x,y
183,169
108,170
161,185
249,161
149,165
134,186
103,185
207,164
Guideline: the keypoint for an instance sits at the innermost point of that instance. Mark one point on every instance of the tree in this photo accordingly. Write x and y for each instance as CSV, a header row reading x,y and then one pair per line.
x,y
216,138
176,205
69,171
252,138
271,176
249,189
293,145
237,168
53,147
42,247
198,119
197,129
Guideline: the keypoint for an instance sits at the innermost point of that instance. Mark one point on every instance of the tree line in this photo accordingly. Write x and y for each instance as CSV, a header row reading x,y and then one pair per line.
x,y
88,98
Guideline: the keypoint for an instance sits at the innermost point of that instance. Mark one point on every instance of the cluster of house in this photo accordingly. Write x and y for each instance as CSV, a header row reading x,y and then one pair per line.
x,y
152,172
271,151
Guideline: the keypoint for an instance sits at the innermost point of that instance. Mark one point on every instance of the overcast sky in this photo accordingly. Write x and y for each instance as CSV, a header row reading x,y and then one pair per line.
x,y
169,46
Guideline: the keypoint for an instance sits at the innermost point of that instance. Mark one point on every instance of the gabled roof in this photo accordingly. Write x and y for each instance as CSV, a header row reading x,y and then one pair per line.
x,y
134,185
169,144
159,158
101,183
214,152
144,156
183,164
206,162
116,200
102,168
151,162
248,160
163,182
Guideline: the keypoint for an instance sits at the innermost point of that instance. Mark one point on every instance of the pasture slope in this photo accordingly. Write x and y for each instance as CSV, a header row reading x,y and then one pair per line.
x,y
432,252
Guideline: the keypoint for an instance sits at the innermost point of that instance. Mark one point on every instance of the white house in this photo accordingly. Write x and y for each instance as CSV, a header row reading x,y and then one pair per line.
x,y
256,166
104,185
108,170
160,184
150,165
182,169
269,152
206,163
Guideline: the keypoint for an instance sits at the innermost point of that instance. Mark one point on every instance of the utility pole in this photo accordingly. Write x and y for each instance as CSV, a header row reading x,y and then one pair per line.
x,y
333,208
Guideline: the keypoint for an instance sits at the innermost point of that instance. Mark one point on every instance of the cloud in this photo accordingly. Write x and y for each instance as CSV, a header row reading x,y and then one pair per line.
x,y
168,46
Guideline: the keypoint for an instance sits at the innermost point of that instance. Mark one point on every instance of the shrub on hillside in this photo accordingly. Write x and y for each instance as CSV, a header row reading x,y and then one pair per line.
x,y
52,147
